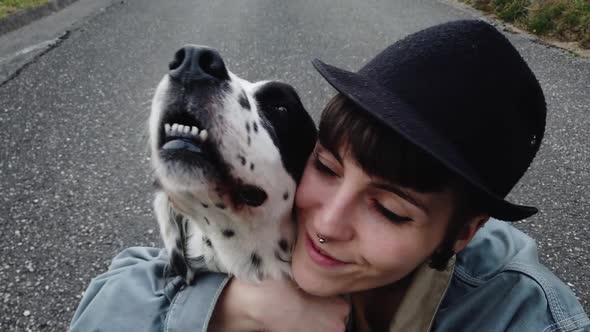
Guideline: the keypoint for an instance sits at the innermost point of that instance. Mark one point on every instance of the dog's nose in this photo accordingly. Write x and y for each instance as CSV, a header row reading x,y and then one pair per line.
x,y
194,63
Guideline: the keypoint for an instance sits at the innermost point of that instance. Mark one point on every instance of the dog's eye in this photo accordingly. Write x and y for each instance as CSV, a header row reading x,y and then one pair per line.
x,y
281,108
251,195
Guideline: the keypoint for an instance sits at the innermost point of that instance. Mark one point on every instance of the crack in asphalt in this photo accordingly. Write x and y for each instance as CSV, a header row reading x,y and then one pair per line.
x,y
50,45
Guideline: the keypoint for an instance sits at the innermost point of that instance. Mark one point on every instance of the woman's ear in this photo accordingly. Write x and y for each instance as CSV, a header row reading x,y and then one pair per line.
x,y
468,232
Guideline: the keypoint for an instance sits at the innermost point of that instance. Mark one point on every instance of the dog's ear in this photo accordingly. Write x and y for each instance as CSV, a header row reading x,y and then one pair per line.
x,y
289,124
302,139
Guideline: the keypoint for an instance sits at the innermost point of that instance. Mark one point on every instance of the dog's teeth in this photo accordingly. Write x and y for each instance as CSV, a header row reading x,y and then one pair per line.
x,y
181,130
203,134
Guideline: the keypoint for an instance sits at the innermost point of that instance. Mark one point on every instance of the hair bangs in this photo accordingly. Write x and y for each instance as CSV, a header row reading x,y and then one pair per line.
x,y
380,151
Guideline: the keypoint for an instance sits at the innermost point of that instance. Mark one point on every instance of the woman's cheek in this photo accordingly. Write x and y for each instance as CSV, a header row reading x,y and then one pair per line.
x,y
308,190
393,251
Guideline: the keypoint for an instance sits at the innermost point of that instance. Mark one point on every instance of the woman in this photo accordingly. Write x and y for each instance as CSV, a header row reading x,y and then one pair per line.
x,y
415,154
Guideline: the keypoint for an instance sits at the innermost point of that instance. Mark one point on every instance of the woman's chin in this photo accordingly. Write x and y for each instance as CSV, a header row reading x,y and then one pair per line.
x,y
313,283
312,286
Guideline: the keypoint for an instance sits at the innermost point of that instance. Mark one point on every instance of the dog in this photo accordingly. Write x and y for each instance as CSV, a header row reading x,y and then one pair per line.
x,y
227,155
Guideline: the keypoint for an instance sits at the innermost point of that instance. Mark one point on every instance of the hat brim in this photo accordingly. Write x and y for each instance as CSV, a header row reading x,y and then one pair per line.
x,y
395,113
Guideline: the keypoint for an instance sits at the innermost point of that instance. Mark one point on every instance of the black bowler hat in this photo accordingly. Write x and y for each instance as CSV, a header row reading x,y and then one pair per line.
x,y
461,92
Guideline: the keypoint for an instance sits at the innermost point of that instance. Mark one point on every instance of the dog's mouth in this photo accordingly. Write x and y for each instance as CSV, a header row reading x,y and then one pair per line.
x,y
182,139
183,136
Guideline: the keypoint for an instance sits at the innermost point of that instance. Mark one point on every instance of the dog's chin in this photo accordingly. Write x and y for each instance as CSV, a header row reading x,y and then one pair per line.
x,y
182,171
184,159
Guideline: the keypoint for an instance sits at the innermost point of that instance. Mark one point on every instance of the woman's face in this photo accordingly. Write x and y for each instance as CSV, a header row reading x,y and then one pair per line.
x,y
376,232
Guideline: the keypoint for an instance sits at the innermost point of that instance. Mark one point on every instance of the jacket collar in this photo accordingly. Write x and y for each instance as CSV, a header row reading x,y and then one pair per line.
x,y
420,303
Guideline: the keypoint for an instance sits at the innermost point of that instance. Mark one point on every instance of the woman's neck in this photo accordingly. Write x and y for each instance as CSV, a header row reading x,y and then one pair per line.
x,y
379,305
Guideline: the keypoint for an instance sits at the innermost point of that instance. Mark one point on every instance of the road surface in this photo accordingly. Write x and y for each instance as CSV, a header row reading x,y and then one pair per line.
x,y
75,184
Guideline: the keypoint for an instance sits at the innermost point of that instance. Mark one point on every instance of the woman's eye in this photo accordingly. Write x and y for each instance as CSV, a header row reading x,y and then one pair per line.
x,y
390,214
323,168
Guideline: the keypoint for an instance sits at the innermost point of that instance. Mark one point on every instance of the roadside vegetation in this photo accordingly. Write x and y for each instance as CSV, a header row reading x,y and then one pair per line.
x,y
8,7
564,20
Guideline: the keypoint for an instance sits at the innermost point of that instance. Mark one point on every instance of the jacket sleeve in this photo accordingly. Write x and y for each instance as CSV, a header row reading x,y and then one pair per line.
x,y
500,285
137,293
511,301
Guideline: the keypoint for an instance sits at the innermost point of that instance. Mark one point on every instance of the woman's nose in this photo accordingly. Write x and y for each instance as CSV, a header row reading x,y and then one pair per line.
x,y
336,216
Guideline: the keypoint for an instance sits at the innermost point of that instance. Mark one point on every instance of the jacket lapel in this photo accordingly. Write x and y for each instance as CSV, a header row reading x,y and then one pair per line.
x,y
418,308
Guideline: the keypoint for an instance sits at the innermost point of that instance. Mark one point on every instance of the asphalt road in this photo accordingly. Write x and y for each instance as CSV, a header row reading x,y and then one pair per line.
x,y
75,184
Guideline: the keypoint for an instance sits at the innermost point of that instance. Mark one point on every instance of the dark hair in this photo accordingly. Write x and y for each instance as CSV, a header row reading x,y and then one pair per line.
x,y
382,152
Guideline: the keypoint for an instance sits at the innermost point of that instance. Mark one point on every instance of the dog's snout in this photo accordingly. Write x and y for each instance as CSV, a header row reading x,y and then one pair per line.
x,y
196,63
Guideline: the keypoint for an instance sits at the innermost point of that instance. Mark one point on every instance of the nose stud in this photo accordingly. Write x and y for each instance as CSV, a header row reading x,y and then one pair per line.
x,y
321,239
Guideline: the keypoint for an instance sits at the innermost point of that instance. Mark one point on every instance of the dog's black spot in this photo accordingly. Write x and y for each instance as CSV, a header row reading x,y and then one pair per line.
x,y
177,263
243,100
205,205
286,195
242,160
251,166
207,221
255,126
278,256
247,127
284,245
207,242
220,206
250,195
228,233
256,260
249,140
157,185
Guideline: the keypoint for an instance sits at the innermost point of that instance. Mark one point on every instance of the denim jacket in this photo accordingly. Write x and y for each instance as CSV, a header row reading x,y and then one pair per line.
x,y
495,284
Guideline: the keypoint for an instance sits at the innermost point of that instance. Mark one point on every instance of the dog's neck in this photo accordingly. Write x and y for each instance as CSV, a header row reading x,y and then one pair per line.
x,y
245,247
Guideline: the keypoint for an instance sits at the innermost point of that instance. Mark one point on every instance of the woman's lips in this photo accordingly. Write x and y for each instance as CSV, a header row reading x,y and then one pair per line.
x,y
319,258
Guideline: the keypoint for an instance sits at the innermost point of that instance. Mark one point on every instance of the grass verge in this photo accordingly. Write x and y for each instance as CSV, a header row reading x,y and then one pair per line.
x,y
564,20
8,7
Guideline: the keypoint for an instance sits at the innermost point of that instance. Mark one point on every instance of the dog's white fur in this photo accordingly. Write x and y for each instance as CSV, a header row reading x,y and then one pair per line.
x,y
257,229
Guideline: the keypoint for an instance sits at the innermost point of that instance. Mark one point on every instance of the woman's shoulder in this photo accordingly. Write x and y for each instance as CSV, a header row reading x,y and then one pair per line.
x,y
499,284
139,293
497,247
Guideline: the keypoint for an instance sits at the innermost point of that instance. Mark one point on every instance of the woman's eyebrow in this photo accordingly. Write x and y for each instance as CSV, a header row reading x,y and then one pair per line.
x,y
403,194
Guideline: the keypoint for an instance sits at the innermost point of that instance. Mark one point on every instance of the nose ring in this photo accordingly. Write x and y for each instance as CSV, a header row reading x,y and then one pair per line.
x,y
321,239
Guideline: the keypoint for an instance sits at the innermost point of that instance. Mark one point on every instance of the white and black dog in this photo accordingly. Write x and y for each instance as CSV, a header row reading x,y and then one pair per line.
x,y
227,156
